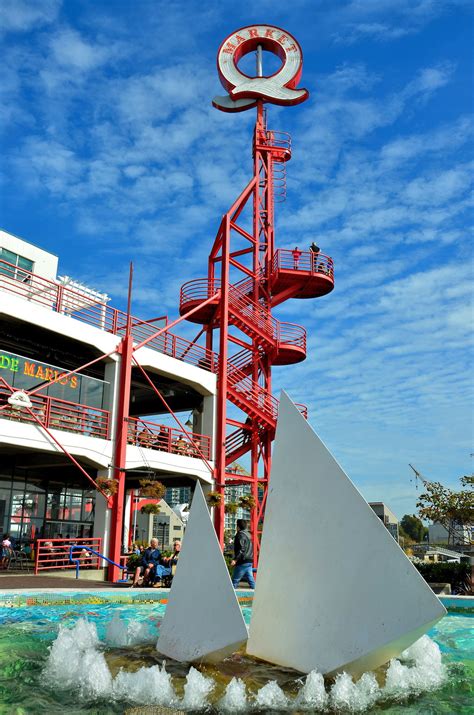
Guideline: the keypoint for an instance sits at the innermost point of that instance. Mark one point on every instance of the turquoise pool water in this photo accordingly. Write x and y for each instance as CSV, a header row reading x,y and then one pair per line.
x,y
104,661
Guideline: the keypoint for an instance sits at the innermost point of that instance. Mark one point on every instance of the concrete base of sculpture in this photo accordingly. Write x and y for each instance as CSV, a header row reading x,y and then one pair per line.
x,y
203,620
350,599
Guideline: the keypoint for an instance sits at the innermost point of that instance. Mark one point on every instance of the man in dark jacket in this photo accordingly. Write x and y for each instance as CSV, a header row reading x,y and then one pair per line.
x,y
243,556
150,562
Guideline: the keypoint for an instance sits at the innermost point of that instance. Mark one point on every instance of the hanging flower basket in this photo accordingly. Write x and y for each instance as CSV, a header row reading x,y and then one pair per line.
x,y
231,508
214,498
152,488
108,486
247,502
150,509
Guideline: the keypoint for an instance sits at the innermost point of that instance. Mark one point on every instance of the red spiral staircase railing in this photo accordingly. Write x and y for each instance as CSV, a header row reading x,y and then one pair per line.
x,y
251,339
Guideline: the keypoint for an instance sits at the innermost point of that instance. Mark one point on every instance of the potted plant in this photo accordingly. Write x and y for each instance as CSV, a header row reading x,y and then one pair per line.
x,y
150,509
247,501
108,486
214,498
152,488
231,508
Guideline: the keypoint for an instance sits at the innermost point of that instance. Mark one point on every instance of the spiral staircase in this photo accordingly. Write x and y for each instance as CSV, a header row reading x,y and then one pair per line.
x,y
251,339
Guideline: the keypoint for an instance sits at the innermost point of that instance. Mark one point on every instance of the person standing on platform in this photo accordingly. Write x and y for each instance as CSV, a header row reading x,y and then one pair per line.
x,y
243,556
315,250
296,253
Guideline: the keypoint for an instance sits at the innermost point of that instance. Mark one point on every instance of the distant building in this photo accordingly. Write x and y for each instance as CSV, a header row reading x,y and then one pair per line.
x,y
438,534
166,526
386,516
177,495
439,554
232,496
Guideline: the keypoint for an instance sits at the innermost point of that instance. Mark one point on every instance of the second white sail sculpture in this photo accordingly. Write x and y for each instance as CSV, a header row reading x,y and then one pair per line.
x,y
334,590
203,620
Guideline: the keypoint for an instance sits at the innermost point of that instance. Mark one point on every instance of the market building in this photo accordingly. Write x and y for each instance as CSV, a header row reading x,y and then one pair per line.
x,y
61,412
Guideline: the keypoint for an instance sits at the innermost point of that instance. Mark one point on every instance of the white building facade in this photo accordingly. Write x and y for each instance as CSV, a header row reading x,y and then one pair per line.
x,y
51,327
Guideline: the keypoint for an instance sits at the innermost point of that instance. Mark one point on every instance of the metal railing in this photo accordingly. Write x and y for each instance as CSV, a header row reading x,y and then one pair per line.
x,y
54,554
307,261
167,439
58,414
79,560
77,305
281,140
247,310
235,441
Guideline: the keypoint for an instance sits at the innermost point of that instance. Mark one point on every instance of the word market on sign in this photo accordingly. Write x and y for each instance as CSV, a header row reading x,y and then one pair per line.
x,y
245,91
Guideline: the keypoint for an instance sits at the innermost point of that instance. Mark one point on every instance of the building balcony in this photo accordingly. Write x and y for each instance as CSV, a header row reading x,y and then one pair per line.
x,y
89,307
57,414
151,435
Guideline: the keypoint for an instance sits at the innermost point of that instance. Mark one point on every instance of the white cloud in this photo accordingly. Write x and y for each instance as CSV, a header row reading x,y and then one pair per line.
x,y
70,50
384,20
24,15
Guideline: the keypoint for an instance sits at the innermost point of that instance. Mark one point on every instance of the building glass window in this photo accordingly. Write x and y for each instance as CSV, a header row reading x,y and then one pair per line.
x,y
18,263
30,509
25,374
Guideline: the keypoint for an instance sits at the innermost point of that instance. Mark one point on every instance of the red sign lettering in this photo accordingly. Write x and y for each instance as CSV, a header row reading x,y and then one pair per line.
x,y
229,48
253,33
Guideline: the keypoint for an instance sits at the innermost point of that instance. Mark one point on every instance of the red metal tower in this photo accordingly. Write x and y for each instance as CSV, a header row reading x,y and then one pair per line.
x,y
250,277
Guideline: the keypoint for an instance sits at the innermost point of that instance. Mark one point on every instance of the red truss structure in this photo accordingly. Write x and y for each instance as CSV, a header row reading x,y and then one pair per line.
x,y
248,277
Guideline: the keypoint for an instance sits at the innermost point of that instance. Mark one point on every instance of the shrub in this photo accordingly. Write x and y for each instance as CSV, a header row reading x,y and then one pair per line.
x,y
445,572
150,509
133,561
231,508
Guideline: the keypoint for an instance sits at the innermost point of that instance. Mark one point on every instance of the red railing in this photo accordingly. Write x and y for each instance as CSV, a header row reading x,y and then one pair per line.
x,y
167,439
296,260
53,554
69,301
58,414
236,441
244,308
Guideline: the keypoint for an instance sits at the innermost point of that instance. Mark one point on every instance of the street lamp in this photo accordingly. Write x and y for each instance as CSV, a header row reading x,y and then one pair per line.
x,y
163,526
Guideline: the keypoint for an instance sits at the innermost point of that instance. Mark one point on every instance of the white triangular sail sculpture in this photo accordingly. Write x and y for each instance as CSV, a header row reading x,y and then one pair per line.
x,y
334,591
203,620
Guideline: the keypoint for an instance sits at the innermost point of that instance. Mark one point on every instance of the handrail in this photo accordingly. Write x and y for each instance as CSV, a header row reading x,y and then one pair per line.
x,y
245,308
56,554
54,413
96,553
167,439
307,261
68,301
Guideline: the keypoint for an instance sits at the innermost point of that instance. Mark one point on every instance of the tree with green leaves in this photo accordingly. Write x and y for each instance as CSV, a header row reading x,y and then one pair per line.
x,y
452,509
413,527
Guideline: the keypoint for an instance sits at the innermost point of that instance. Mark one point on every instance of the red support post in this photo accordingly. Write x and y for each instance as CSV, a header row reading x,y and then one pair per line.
x,y
116,529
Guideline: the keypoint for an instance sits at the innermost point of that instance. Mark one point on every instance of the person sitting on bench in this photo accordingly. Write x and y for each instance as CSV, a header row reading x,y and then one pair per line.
x,y
150,561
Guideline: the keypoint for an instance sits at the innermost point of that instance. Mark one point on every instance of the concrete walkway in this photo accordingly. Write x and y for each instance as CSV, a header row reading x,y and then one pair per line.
x,y
9,581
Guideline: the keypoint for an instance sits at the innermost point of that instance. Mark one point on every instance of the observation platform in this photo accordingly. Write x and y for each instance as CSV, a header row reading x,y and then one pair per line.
x,y
300,274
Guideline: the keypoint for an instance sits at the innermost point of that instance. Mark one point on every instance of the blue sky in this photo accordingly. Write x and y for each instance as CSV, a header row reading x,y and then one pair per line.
x,y
112,152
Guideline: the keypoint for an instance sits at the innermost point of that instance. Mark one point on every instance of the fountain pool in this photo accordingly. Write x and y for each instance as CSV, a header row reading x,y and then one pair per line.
x,y
94,653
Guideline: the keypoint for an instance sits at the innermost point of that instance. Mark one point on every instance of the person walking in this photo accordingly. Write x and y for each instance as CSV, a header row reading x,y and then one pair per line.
x,y
243,556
